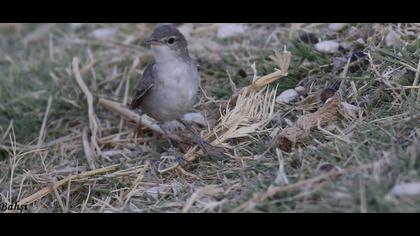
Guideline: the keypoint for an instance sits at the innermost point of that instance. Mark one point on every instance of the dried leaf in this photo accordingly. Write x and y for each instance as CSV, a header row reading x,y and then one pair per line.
x,y
295,134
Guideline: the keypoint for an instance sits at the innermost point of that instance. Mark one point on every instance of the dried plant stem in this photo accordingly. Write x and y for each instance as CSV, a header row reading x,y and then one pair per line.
x,y
283,61
88,150
44,123
60,201
416,78
127,195
121,110
93,120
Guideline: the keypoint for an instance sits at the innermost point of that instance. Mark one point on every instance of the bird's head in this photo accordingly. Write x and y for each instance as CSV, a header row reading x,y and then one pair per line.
x,y
167,43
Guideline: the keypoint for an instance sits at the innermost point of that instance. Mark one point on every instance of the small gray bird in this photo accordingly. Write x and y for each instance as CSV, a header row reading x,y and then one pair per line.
x,y
170,81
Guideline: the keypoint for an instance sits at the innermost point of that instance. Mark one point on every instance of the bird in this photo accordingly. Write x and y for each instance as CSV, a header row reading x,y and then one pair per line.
x,y
169,84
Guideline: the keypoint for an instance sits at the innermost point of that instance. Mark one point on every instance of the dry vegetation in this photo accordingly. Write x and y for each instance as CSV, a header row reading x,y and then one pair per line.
x,y
68,144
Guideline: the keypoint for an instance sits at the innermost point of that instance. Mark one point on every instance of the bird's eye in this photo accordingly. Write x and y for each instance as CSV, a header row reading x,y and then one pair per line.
x,y
171,40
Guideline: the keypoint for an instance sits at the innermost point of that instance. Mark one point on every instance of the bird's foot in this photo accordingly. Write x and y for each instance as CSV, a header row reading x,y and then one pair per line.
x,y
200,142
178,156
208,148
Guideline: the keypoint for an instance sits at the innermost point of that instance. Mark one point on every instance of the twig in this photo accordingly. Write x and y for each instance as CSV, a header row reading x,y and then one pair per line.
x,y
88,150
9,127
133,116
404,87
184,172
88,66
130,115
60,202
281,177
14,163
68,196
44,123
127,195
416,78
93,123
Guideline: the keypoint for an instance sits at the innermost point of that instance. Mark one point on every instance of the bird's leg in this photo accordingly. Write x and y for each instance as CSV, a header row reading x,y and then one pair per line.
x,y
166,135
172,150
197,139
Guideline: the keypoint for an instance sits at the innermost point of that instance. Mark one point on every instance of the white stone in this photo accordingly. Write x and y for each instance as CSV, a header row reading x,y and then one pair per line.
x,y
227,30
336,26
288,122
300,90
287,96
195,117
275,132
406,190
392,38
328,46
76,25
360,41
104,33
346,45
349,107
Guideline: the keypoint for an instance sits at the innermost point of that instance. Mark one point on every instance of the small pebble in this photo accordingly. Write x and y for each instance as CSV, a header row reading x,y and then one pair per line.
x,y
300,90
227,30
348,106
104,33
406,190
392,38
287,96
336,26
361,41
195,117
328,46
346,45
76,25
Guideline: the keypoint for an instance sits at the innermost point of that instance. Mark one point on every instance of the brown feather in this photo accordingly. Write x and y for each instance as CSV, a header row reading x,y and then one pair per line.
x,y
144,85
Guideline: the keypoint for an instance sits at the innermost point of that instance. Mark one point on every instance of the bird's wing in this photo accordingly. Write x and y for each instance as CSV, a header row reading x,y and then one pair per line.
x,y
144,85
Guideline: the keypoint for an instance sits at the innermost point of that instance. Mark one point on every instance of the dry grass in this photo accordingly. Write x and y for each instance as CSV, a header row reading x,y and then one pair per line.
x,y
68,144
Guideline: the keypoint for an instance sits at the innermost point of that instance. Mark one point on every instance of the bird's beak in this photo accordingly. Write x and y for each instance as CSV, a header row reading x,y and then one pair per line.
x,y
153,41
